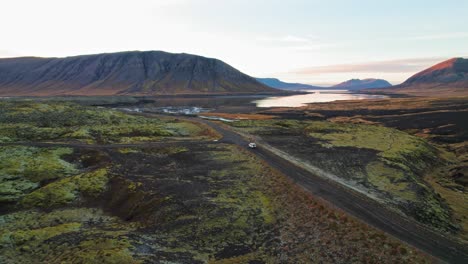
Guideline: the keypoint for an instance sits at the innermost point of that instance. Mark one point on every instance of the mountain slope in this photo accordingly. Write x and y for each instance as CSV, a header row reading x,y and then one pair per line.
x,y
356,84
450,73
123,73
276,83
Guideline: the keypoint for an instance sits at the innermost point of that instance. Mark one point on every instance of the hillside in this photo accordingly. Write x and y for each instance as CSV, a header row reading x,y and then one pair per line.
x,y
123,73
448,78
276,83
453,73
356,84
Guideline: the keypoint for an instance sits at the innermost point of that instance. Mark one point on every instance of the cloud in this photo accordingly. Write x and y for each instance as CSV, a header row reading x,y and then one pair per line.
x,y
287,39
389,66
8,53
295,43
451,35
294,39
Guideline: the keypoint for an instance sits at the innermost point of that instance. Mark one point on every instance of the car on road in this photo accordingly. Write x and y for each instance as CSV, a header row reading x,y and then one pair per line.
x,y
252,145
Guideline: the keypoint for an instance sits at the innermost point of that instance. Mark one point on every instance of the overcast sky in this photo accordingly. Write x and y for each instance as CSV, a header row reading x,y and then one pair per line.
x,y
312,41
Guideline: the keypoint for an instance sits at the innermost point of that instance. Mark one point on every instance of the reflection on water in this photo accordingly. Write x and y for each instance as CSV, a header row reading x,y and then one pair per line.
x,y
312,97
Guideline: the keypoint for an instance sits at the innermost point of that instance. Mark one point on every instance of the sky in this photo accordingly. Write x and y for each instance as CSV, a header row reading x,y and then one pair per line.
x,y
311,41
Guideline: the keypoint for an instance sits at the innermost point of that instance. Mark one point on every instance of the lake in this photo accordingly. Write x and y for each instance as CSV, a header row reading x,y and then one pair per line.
x,y
239,104
315,96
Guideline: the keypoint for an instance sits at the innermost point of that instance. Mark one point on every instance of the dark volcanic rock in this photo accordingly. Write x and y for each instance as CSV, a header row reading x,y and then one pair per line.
x,y
133,72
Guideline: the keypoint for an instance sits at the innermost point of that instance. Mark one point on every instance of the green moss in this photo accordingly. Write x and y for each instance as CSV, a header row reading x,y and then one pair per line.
x,y
67,190
22,169
396,147
32,219
184,129
92,183
102,250
58,121
403,159
267,207
391,180
36,236
64,236
394,175
128,150
35,164
11,189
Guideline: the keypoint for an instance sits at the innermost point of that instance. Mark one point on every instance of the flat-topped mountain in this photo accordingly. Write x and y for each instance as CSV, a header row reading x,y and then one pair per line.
x,y
451,73
356,84
124,73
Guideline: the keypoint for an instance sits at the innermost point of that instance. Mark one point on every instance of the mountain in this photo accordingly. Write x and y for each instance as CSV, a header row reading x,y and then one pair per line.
x,y
124,73
275,83
356,84
448,78
451,73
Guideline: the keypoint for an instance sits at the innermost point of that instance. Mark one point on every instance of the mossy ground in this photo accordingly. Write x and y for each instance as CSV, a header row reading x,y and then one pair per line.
x,y
384,161
67,190
23,169
65,121
75,235
188,203
163,204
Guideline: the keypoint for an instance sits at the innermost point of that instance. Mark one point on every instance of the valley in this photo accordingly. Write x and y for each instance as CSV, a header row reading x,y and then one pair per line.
x,y
144,186
147,203
234,132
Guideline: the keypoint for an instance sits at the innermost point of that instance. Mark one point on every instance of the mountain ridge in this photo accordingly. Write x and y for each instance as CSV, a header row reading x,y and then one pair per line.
x,y
446,78
124,73
352,84
278,84
356,84
453,72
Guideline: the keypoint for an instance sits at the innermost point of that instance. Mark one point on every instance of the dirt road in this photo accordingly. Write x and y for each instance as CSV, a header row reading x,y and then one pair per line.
x,y
354,203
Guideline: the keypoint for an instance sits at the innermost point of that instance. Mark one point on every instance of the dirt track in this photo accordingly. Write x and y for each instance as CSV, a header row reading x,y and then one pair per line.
x,y
355,203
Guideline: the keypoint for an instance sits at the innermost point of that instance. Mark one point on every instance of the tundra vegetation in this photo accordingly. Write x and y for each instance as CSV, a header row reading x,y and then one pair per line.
x,y
408,153
187,203
59,121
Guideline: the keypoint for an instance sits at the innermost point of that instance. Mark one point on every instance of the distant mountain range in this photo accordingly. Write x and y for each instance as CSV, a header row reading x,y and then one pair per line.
x,y
357,84
276,83
161,73
353,84
448,77
124,73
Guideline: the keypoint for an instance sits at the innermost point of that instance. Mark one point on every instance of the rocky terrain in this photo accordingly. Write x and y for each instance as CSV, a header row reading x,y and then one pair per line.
x,y
124,73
